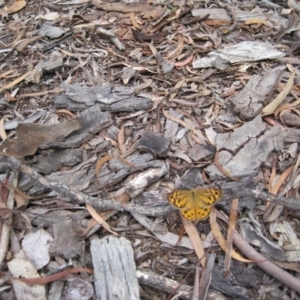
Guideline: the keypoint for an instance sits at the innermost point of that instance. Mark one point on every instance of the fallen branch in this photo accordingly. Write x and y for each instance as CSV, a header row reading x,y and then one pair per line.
x,y
159,209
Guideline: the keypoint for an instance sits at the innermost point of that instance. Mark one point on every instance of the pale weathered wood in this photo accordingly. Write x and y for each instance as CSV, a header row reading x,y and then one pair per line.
x,y
114,269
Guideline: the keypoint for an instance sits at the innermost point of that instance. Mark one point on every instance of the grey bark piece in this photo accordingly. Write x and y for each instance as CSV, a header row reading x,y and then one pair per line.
x,y
54,61
90,95
132,104
224,157
249,158
77,181
201,152
292,135
63,101
234,140
251,144
110,179
191,179
79,289
55,160
38,114
171,127
50,31
240,53
66,242
256,94
121,99
124,90
136,161
230,286
247,161
241,15
114,269
154,143
269,249
92,121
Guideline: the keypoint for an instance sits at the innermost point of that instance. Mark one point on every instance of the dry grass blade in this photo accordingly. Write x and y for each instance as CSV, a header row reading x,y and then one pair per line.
x,y
219,237
99,219
193,234
230,233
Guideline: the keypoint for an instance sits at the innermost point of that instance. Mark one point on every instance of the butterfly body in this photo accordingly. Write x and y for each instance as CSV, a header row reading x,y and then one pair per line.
x,y
196,203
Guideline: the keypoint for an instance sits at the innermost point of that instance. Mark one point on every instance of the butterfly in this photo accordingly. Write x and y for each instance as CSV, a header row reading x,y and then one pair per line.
x,y
195,204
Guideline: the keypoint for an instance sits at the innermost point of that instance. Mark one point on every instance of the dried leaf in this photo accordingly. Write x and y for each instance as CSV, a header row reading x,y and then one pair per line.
x,y
184,62
133,20
197,132
219,237
27,42
281,180
285,106
271,107
16,6
33,136
193,234
99,219
16,81
2,130
9,96
230,234
258,21
221,169
100,163
121,139
35,245
65,112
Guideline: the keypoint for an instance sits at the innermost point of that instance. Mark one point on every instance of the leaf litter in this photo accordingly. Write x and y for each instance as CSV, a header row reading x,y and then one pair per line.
x,y
108,107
